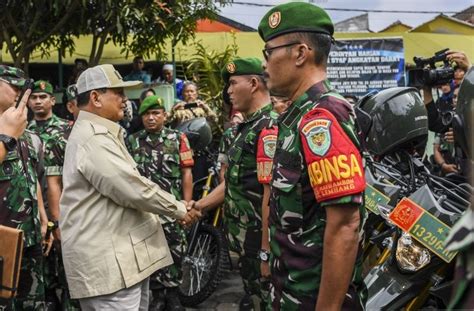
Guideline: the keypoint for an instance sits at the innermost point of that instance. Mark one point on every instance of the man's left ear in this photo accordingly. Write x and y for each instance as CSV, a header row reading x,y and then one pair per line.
x,y
254,83
53,100
303,54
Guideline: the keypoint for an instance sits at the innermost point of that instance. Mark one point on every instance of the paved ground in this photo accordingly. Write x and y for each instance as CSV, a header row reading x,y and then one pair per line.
x,y
228,294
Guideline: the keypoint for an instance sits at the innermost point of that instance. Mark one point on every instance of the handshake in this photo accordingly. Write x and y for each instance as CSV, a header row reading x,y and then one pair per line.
x,y
193,214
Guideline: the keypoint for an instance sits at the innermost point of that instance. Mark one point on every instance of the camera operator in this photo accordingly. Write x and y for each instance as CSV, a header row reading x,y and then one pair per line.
x,y
443,146
435,118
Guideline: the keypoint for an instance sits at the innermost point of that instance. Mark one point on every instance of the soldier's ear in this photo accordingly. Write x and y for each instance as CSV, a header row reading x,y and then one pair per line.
x,y
53,100
254,83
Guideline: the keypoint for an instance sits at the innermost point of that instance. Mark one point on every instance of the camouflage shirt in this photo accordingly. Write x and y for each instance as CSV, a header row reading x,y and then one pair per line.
x,y
244,192
53,133
224,145
18,189
461,239
160,157
297,218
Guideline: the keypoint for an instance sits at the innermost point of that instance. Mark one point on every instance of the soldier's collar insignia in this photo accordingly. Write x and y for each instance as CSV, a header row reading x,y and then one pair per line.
x,y
231,67
318,136
274,20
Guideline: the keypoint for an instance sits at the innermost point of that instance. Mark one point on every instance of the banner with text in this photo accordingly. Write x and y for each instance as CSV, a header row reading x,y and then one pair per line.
x,y
360,66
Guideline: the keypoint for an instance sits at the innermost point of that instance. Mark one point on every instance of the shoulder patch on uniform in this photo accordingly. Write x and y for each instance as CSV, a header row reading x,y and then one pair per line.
x,y
318,136
269,145
333,161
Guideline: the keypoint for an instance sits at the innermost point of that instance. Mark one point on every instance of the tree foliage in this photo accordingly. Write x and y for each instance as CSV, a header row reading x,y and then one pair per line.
x,y
204,68
26,26
137,26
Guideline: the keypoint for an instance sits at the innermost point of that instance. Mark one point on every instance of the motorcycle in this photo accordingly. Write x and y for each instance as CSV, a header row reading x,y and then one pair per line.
x,y
417,270
207,256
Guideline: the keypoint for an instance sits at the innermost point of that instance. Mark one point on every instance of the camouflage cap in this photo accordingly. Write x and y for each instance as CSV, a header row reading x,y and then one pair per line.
x,y
294,17
242,67
12,75
151,102
42,86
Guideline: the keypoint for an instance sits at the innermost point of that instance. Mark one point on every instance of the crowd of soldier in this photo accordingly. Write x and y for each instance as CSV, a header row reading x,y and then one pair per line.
x,y
298,246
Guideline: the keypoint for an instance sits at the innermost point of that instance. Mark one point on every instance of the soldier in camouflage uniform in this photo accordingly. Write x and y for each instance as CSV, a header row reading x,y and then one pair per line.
x,y
318,177
246,175
53,132
21,204
164,156
226,141
461,237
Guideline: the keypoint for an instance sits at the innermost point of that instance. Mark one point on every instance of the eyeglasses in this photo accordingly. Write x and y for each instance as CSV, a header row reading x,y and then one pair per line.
x,y
268,51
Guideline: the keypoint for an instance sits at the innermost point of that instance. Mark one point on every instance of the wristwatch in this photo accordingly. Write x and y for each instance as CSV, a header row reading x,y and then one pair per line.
x,y
8,141
264,255
55,224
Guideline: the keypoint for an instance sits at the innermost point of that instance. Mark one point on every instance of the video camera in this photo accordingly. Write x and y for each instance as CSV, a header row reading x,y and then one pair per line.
x,y
426,72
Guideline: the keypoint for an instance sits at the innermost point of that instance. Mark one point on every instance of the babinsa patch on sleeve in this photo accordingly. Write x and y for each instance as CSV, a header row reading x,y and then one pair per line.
x,y
266,147
318,136
269,145
334,162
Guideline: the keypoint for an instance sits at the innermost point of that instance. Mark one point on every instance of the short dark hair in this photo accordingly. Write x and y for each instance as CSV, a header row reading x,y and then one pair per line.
x,y
139,57
83,98
143,94
320,43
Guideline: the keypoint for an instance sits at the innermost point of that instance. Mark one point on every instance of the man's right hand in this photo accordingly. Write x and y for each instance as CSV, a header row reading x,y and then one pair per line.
x,y
449,136
449,168
460,58
13,121
192,215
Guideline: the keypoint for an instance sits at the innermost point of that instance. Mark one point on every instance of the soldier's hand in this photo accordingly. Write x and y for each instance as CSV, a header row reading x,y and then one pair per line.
x,y
47,244
191,217
265,269
13,121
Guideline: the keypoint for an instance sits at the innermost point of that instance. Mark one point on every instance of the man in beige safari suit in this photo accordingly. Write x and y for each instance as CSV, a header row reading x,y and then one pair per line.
x,y
111,239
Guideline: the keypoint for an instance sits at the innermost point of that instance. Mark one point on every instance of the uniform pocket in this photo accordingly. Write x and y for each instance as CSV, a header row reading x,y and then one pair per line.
x,y
147,244
171,167
287,186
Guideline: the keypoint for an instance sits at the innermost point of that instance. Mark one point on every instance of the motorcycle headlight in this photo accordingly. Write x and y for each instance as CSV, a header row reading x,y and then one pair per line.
x,y
411,256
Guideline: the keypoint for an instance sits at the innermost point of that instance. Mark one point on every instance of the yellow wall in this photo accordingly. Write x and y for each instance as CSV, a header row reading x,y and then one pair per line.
x,y
250,45
444,25
396,28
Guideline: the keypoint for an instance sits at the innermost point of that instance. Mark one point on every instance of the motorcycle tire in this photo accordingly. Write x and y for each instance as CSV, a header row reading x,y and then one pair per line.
x,y
203,266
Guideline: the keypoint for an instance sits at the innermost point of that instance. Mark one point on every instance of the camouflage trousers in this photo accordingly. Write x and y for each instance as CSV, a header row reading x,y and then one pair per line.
x,y
286,294
171,276
55,279
247,243
30,294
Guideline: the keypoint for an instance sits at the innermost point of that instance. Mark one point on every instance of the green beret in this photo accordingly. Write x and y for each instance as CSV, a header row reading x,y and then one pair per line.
x,y
242,67
42,86
294,17
151,102
12,75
